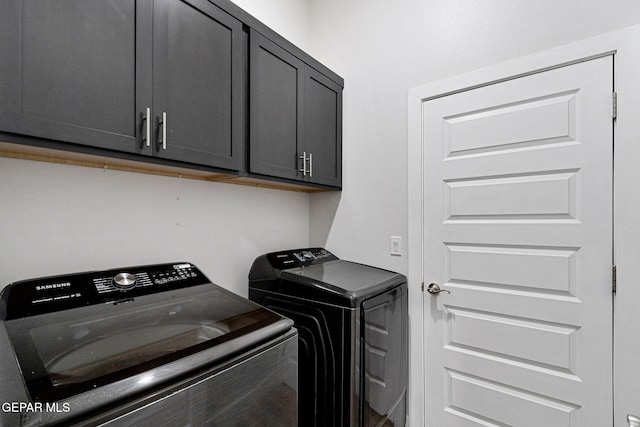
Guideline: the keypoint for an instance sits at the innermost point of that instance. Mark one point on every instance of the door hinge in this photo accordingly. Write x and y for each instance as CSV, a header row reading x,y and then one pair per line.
x,y
614,104
614,278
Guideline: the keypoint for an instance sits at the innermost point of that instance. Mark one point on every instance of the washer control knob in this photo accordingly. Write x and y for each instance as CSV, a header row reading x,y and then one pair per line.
x,y
124,281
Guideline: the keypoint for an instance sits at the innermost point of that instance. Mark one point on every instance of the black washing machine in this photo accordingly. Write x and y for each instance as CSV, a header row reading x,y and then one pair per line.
x,y
352,344
156,345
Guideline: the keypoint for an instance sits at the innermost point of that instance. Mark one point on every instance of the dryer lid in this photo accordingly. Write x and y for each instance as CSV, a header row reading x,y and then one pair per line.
x,y
352,281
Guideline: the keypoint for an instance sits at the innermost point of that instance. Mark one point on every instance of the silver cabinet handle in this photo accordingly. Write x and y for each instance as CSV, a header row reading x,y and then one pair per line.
x,y
435,289
306,159
163,123
633,421
146,119
304,163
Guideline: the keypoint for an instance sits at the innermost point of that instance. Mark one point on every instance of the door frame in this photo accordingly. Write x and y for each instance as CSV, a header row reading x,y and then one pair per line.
x,y
625,45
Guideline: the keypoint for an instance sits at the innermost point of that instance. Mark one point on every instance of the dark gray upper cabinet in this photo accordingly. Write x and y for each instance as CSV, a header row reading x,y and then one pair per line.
x,y
276,82
69,68
89,71
295,117
197,84
322,132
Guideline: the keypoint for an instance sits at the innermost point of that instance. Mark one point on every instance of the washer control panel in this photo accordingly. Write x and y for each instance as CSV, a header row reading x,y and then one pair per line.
x,y
49,294
300,258
126,280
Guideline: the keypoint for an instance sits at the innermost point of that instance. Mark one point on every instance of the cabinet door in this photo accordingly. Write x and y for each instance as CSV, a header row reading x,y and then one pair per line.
x,y
322,137
68,70
197,84
275,99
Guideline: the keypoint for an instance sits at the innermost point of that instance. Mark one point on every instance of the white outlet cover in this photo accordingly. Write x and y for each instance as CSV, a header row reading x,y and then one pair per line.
x,y
396,245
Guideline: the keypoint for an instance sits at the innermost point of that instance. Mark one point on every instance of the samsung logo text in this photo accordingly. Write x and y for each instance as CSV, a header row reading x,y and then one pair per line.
x,y
53,286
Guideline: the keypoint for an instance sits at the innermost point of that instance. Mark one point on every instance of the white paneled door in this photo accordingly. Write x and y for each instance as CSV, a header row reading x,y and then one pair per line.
x,y
518,235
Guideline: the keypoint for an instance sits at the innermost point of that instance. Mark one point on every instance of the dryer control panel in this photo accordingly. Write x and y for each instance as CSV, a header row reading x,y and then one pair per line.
x,y
299,258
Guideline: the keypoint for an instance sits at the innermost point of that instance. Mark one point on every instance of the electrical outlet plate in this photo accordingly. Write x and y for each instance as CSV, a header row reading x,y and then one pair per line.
x,y
396,245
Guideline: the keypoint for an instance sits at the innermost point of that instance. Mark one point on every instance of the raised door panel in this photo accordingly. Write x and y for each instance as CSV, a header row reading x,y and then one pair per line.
x,y
69,70
323,128
276,85
198,84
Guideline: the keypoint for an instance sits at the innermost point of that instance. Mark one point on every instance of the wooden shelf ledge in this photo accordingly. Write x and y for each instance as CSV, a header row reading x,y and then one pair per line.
x,y
26,152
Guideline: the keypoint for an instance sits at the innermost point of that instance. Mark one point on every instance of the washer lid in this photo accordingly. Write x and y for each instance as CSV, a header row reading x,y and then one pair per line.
x,y
349,280
81,349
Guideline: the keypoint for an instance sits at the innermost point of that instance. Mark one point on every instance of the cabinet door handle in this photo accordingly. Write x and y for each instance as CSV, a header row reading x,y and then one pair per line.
x,y
146,121
304,163
163,125
310,164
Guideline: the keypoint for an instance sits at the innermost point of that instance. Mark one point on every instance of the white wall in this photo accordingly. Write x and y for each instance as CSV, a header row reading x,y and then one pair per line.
x,y
58,219
289,18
